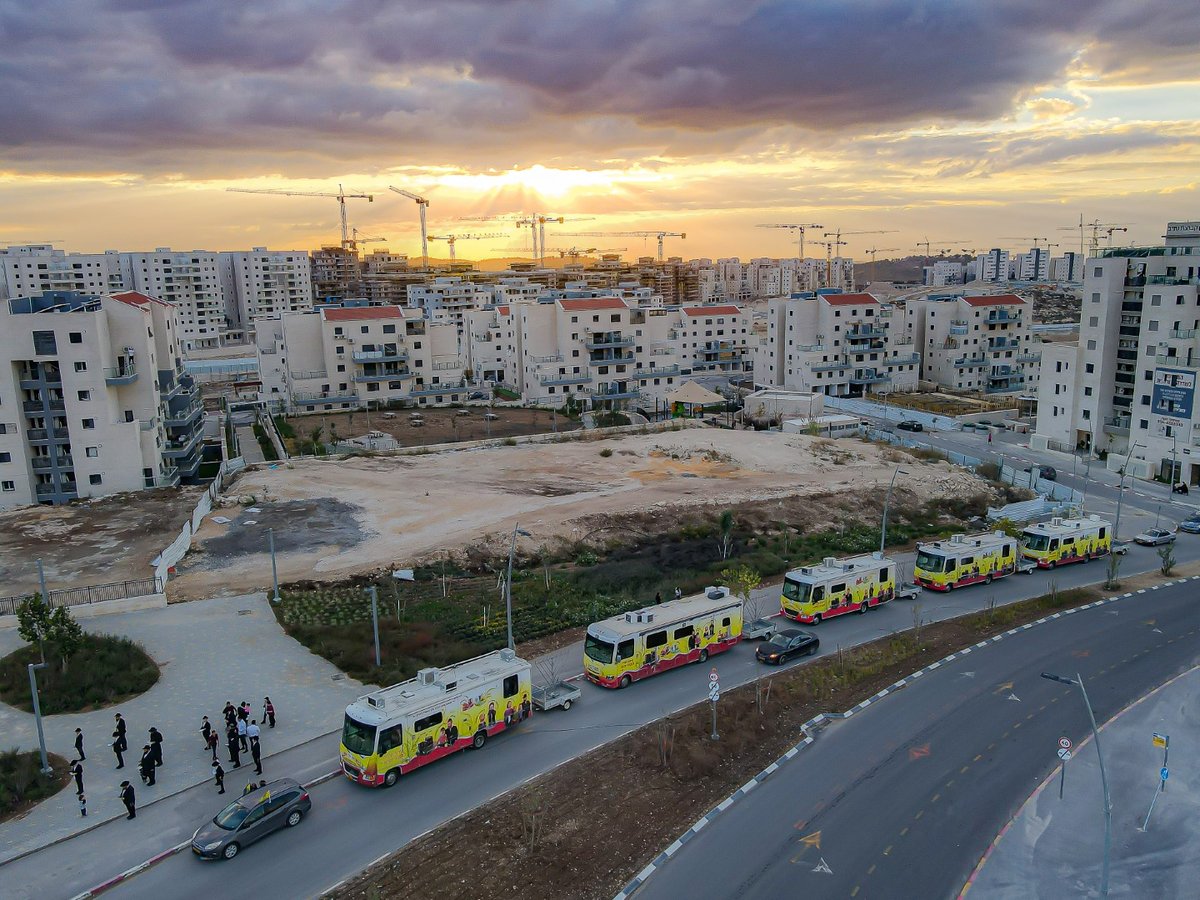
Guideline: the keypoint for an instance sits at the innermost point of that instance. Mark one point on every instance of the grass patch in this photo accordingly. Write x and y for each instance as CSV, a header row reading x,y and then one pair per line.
x,y
265,442
610,419
106,670
285,428
505,394
22,783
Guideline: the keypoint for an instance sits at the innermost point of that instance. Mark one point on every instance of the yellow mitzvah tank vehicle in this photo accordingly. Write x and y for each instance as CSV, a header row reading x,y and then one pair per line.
x,y
965,559
1062,541
812,594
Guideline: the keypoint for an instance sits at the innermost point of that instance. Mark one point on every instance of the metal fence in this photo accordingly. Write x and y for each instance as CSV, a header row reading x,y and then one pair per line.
x,y
91,593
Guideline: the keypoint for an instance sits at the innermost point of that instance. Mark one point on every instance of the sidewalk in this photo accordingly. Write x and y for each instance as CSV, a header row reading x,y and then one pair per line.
x,y
212,651
1053,848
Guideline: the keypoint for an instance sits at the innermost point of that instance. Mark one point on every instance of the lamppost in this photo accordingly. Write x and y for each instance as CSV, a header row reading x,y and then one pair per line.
x,y
886,500
274,568
508,583
373,593
1121,490
1077,681
37,713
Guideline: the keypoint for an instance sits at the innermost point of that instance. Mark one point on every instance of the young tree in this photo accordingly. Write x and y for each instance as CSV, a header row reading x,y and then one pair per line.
x,y
1111,582
725,545
65,634
33,622
1166,559
741,581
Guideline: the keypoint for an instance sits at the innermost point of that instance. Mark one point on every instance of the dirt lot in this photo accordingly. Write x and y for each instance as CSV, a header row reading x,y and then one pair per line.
x,y
96,542
441,426
400,511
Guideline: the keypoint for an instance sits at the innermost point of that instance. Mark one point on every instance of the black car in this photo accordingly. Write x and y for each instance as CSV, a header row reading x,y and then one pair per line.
x,y
1046,473
786,644
476,395
281,804
909,425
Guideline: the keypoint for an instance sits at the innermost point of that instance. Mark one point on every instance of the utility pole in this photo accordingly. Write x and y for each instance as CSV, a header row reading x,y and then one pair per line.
x,y
1121,491
274,568
37,714
508,582
373,593
42,581
887,500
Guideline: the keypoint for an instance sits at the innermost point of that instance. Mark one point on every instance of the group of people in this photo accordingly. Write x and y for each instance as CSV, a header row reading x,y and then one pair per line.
x,y
242,735
151,759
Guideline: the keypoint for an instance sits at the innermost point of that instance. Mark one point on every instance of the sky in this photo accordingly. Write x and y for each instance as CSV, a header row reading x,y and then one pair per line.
x,y
968,124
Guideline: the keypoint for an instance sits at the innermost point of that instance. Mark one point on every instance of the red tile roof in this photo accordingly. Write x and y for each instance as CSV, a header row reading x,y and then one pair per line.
x,y
727,310
137,298
996,300
502,310
848,299
593,303
361,313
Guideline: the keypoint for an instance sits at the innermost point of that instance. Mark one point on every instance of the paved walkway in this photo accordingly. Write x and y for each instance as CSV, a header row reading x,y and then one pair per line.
x,y
1053,847
248,444
224,649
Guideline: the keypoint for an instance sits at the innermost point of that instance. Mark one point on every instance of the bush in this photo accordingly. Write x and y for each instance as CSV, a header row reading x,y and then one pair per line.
x,y
22,783
606,452
103,671
284,427
265,442
611,419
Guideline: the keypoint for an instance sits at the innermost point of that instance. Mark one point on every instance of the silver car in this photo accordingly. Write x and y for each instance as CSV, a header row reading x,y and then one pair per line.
x,y
1152,537
281,804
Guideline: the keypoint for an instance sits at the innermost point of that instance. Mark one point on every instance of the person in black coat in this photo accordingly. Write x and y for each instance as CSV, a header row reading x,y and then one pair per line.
x,y
79,744
77,771
128,798
219,776
230,713
256,752
156,745
205,731
146,765
234,747
121,733
117,748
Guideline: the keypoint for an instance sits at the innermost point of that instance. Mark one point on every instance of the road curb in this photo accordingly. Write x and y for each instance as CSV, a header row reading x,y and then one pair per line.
x,y
809,728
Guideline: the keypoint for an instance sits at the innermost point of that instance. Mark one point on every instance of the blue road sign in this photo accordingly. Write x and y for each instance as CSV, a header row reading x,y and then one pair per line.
x,y
1163,773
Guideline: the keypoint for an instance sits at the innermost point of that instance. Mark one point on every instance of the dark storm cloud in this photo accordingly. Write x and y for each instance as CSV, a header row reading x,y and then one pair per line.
x,y
185,85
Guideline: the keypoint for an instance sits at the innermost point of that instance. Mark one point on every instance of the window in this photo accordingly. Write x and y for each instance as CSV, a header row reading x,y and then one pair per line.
x,y
1148,375
1087,391
5,457
44,343
625,650
657,639
76,337
1097,272
431,721
92,452
1143,424
1096,297
1156,300
80,367
1089,367
95,479
8,486
89,423
511,686
84,395
365,329
391,738
681,633
389,329
1093,321
883,574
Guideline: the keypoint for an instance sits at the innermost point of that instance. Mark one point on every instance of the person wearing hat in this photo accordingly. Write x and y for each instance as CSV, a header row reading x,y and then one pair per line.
x,y
128,798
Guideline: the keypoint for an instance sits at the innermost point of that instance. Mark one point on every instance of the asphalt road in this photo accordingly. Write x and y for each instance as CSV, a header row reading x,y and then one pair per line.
x,y
902,800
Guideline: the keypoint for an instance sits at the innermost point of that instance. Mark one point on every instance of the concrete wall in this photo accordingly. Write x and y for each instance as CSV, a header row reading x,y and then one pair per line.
x,y
104,608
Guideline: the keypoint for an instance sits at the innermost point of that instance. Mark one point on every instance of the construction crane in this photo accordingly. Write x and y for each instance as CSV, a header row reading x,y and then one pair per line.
x,y
452,239
642,234
838,242
1096,226
796,229
341,196
873,251
576,252
1036,240
422,205
355,240
536,222
928,243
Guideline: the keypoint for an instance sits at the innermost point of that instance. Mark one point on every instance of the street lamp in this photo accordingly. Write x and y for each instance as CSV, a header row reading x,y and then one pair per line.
x,y
508,582
37,713
274,568
1121,490
886,500
1077,681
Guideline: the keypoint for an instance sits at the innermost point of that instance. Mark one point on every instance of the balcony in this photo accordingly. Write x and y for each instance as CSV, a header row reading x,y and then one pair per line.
x,y
656,373
1183,334
1117,425
177,449
608,342
169,477
41,435
380,356
1184,361
909,359
610,360
556,358
309,375
616,393
565,379
309,398
445,387
1029,357
869,377
867,333
396,375
38,406
999,344
1002,315
48,462
828,366
68,490
1136,282
115,376
1171,279
182,417
902,342
969,362
36,380
959,327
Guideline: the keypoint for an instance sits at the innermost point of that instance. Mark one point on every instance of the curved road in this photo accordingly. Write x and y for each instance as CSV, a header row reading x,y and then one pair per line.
x,y
903,799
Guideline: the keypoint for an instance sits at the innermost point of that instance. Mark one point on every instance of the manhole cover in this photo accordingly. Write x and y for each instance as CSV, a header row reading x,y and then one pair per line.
x,y
338,677
245,612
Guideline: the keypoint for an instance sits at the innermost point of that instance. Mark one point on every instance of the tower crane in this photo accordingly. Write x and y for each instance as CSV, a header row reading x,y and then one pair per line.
x,y
928,243
1096,226
536,222
796,229
873,251
422,205
452,239
355,240
1036,240
341,196
642,234
838,242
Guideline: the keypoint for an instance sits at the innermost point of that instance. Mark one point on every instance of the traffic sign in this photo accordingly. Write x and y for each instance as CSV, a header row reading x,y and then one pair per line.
x,y
1064,754
1162,773
1065,743
1160,740
712,676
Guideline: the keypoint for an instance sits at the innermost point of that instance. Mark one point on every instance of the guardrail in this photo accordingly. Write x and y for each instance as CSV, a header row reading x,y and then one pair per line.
x,y
91,593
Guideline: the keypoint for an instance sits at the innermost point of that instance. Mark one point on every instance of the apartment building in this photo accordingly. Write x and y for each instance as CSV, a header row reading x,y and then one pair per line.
x,y
93,398
447,298
191,282
840,345
31,269
354,357
337,273
264,284
1056,395
1137,359
1034,265
1068,267
992,266
943,273
975,343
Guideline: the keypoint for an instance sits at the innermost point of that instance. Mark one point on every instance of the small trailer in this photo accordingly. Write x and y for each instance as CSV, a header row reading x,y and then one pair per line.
x,y
548,696
908,591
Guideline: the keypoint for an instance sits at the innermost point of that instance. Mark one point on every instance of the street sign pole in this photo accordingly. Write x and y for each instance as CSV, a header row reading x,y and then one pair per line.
x,y
1064,753
714,694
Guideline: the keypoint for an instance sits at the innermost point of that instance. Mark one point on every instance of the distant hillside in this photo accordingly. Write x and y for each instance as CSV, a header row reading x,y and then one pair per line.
x,y
905,269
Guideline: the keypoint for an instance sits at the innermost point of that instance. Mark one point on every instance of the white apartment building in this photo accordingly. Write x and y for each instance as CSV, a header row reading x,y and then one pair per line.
x,y
944,273
191,282
93,398
1137,360
1056,395
357,357
992,266
264,284
1034,265
32,269
840,345
447,298
975,343
1068,267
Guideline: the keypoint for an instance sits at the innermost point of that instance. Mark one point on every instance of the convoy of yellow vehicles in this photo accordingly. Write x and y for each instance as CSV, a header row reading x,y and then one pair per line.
x,y
395,730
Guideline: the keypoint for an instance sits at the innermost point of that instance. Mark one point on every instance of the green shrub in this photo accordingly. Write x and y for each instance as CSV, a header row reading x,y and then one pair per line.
x,y
103,671
285,428
265,442
606,452
22,782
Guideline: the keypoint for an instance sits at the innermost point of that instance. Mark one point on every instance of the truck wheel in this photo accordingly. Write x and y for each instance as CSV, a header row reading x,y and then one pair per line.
x,y
704,656
392,776
817,619
480,739
566,704
865,606
987,580
625,681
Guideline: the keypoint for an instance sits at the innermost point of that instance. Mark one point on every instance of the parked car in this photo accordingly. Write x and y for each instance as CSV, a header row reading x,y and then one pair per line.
x,y
1152,537
1047,472
281,804
909,425
1191,524
760,629
786,644
476,395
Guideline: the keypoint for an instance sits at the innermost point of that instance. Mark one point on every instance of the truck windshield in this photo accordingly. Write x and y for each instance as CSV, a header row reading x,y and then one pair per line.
x,y
930,562
358,737
600,651
1035,541
797,591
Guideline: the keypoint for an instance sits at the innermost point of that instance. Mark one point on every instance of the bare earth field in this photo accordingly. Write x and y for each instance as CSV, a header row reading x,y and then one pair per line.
x,y
441,426
94,542
338,518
